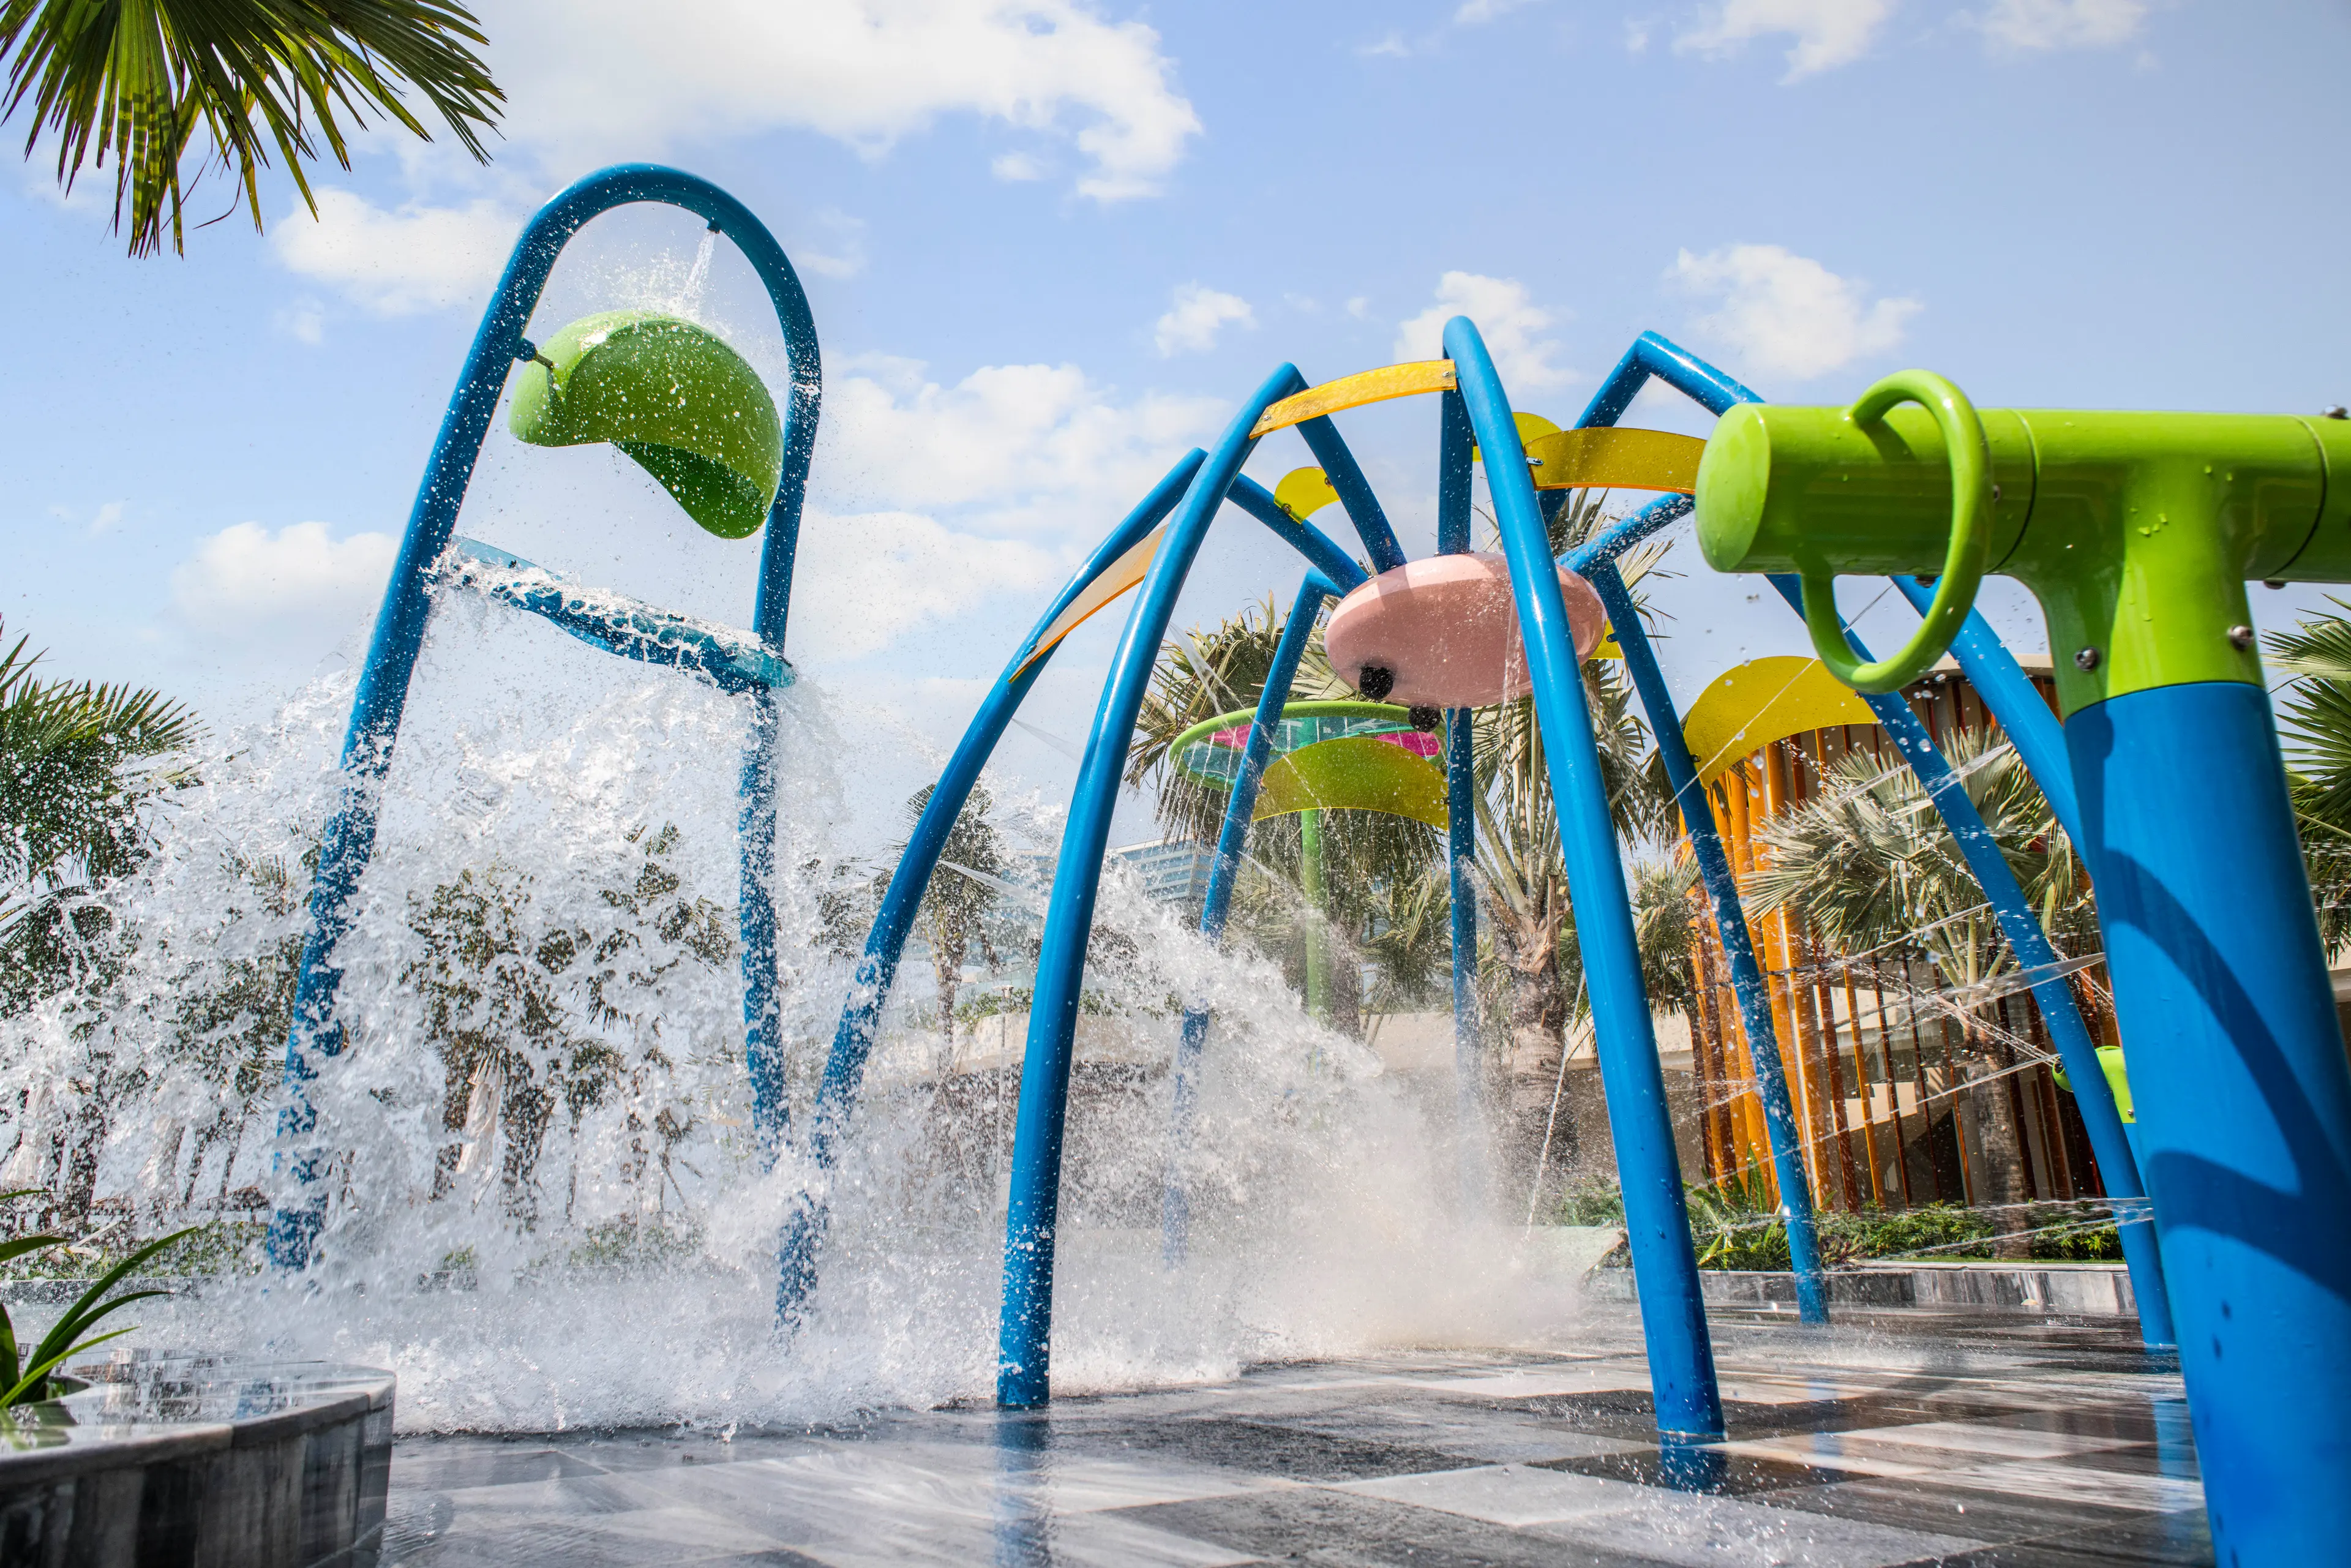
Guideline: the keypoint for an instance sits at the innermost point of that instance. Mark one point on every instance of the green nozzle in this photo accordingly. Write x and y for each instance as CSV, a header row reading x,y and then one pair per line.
x,y
2136,531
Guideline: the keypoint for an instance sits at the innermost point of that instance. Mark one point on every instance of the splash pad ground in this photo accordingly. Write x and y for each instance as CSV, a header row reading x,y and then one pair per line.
x,y
1897,1437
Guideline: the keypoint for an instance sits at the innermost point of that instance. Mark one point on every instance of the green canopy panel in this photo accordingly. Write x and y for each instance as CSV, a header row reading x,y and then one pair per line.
x,y
691,411
1354,773
1211,751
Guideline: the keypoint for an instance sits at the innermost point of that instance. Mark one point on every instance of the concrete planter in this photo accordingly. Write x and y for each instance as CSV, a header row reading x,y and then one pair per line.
x,y
164,1460
2067,1290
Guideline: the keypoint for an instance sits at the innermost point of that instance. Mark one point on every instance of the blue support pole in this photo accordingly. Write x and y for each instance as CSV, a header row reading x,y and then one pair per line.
x,y
1322,553
877,971
877,968
349,840
1596,562
2242,1093
1024,1353
1354,492
1747,984
2134,1224
1657,1224
2032,724
2019,709
1232,838
1456,445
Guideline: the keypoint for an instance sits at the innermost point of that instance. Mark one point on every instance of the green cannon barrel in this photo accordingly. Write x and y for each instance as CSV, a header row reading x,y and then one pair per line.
x,y
2136,531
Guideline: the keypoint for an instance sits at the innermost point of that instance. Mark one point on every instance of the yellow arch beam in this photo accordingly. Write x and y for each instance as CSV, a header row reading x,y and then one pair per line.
x,y
1354,391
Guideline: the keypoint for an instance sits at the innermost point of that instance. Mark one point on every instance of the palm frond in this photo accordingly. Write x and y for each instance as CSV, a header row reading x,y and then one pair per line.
x,y
141,81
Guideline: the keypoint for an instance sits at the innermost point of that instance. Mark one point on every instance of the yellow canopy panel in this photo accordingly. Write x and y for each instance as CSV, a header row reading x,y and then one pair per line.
x,y
1615,459
1750,706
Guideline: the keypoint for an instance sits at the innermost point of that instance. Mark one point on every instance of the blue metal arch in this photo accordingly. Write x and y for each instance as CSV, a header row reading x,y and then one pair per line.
x,y
852,1043
367,744
2038,742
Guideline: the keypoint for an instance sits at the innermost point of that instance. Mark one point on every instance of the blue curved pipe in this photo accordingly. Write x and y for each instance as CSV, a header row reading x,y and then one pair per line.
x,y
877,970
1354,492
1785,1134
349,840
885,943
1025,1330
2030,725
1657,1223
1322,553
2134,1219
1456,447
1232,838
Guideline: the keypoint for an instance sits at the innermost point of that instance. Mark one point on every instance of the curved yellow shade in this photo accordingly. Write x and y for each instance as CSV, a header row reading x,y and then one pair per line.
x,y
1750,706
1304,492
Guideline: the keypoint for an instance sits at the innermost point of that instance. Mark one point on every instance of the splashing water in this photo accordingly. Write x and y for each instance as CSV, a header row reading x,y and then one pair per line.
x,y
548,1210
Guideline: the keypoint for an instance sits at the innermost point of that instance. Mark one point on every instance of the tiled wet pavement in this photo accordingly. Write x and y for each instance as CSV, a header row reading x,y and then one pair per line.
x,y
1904,1438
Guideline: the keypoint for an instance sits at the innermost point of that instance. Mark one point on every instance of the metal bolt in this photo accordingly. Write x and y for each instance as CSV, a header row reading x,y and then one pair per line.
x,y
2087,659
2240,638
2273,582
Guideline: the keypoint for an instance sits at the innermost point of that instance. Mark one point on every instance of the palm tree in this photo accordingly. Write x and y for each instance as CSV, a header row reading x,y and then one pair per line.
x,y
71,791
1373,908
1869,865
2316,716
954,912
141,80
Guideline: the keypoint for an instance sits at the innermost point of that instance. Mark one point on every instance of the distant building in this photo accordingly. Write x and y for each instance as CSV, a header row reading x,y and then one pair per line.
x,y
1174,871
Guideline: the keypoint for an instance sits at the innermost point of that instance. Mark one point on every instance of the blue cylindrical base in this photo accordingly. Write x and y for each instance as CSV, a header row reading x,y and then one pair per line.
x,y
2244,1097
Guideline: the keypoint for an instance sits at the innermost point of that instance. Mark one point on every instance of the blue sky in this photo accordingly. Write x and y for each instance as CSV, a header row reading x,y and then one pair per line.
x,y
1051,244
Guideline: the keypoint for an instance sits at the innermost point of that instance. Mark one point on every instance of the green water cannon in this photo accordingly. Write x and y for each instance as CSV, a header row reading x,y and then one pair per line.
x,y
2136,531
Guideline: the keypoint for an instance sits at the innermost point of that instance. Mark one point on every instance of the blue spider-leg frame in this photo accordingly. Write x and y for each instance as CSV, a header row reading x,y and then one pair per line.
x,y
349,840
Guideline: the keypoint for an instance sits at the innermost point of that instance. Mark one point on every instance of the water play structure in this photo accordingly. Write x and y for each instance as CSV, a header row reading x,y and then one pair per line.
x,y
2136,531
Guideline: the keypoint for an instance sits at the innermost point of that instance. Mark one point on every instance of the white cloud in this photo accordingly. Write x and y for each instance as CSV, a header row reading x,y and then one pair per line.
x,y
1016,166
885,573
1787,315
247,584
844,251
107,518
304,320
397,263
1474,12
932,499
1360,306
592,79
1198,315
1031,450
1391,45
1827,33
1506,317
2027,24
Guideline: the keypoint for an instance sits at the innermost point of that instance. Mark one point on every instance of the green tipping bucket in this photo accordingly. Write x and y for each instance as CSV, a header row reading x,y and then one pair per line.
x,y
690,411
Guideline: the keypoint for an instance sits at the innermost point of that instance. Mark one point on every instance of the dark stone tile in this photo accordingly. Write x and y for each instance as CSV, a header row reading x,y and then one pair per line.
x,y
1946,1511
1258,1447
1704,1470
1312,1526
